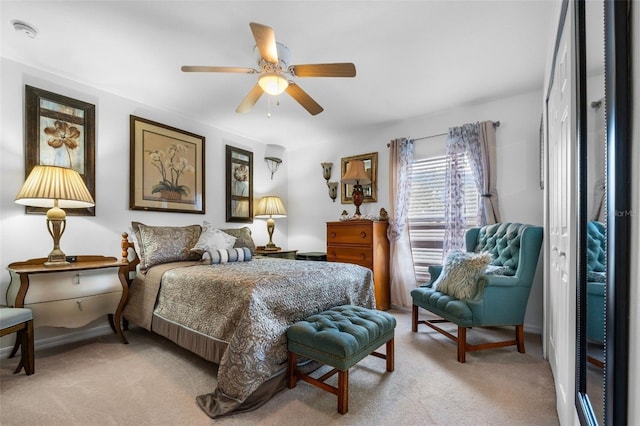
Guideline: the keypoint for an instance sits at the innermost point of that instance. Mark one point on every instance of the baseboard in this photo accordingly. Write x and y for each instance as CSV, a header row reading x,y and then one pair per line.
x,y
50,342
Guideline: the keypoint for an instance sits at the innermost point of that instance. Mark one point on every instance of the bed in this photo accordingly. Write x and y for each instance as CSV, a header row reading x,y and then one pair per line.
x,y
211,295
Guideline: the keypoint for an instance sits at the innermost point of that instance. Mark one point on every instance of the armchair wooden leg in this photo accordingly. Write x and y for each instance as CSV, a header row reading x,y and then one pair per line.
x,y
462,344
390,356
520,337
343,391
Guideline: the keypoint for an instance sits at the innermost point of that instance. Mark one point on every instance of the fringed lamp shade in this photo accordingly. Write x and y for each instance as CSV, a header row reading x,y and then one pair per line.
x,y
270,206
356,176
55,187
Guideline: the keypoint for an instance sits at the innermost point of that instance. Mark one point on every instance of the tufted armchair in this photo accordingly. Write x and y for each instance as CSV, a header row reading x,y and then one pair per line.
x,y
502,289
596,281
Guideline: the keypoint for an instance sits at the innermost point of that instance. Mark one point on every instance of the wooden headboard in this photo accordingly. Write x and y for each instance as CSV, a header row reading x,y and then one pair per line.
x,y
126,245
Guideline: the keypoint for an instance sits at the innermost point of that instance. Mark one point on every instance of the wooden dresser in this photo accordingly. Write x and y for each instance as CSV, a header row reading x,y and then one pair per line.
x,y
365,243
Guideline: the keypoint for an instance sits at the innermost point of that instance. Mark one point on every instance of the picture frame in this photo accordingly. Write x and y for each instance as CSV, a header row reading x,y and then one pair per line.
x,y
239,184
371,190
60,131
167,170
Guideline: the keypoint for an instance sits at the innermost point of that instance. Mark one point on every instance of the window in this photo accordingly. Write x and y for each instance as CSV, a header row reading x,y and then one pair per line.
x,y
426,210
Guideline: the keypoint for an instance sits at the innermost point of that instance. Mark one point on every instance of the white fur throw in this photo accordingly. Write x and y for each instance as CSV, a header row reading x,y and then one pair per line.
x,y
460,273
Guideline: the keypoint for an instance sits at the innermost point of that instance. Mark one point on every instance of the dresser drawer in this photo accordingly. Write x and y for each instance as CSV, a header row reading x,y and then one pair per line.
x,y
362,256
71,284
75,312
349,234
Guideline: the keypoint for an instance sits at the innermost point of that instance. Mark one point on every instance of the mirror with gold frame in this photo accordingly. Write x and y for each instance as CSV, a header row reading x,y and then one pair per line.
x,y
371,167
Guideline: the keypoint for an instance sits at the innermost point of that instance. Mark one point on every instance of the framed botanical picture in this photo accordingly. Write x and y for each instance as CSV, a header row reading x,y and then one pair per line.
x,y
239,183
371,167
60,131
166,168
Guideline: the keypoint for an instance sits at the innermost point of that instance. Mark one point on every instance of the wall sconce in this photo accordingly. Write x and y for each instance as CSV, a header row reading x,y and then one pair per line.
x,y
333,190
326,171
273,156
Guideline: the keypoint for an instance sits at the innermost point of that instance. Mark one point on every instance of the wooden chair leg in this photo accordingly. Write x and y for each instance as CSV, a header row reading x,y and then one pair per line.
x,y
390,356
292,377
462,344
520,337
414,319
343,391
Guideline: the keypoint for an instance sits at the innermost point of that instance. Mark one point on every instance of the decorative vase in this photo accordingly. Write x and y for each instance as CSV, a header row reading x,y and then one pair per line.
x,y
170,195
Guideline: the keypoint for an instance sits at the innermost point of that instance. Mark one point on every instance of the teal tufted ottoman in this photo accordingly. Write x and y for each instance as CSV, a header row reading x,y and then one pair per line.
x,y
339,337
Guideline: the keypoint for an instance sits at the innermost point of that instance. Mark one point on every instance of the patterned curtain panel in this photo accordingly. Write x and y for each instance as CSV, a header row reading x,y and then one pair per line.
x,y
402,274
475,142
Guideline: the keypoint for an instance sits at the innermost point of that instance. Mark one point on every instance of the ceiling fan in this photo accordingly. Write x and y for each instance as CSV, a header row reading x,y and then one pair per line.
x,y
275,71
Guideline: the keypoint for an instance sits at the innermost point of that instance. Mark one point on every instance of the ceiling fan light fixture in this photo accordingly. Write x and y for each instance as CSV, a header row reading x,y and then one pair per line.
x,y
273,83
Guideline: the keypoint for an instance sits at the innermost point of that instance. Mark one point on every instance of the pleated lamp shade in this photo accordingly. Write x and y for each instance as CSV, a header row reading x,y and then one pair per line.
x,y
270,206
356,173
46,184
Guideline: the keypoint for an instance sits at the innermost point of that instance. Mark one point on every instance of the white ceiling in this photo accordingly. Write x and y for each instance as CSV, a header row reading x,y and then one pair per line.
x,y
412,58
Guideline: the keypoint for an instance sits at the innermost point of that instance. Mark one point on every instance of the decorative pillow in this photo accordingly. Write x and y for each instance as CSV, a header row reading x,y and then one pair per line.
x,y
163,244
243,238
460,273
242,254
212,239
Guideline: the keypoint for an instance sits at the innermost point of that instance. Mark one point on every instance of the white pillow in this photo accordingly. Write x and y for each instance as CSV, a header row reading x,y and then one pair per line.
x,y
212,239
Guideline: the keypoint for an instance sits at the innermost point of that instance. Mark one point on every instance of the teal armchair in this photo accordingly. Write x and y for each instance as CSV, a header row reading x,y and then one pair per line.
x,y
500,299
596,282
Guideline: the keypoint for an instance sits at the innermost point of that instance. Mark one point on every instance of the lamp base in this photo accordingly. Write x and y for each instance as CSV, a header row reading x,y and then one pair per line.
x,y
268,247
56,258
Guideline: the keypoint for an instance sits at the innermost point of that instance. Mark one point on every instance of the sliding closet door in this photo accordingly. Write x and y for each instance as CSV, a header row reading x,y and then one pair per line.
x,y
561,223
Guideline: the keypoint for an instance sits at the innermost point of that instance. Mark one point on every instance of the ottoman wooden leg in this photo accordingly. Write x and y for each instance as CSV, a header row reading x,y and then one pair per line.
x,y
343,391
390,356
292,377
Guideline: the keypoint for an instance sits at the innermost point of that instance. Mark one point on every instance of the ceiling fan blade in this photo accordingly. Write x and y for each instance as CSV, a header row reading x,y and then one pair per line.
x,y
304,99
195,68
344,69
250,100
266,42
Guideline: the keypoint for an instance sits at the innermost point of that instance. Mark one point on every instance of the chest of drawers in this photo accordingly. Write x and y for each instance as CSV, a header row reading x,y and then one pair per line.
x,y
70,295
365,243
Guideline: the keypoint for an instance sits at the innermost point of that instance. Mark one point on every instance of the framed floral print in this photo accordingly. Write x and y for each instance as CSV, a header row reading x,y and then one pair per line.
x,y
60,131
239,183
166,168
371,167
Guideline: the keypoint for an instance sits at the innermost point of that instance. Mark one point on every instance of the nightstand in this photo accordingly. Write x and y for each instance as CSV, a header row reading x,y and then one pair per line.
x,y
70,295
284,254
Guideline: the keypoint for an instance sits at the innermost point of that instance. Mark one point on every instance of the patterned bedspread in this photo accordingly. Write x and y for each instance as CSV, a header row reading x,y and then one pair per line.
x,y
250,305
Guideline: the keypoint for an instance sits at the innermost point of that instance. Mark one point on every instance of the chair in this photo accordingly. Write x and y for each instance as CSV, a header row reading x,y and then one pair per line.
x,y
500,299
596,282
20,321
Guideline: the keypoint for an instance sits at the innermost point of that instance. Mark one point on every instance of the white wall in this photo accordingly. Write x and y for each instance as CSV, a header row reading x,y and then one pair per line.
x,y
518,172
24,236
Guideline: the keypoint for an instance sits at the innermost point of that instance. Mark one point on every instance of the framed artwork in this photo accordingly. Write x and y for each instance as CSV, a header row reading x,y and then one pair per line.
x,y
239,183
166,168
371,167
60,131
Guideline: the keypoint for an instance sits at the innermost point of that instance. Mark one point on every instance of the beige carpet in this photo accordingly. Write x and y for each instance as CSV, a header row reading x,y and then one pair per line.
x,y
151,381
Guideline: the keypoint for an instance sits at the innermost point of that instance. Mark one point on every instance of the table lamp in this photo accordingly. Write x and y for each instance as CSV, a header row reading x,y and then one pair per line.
x,y
55,187
356,176
270,207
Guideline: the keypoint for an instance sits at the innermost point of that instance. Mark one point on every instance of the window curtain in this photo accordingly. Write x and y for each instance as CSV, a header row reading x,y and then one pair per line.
x,y
477,143
402,274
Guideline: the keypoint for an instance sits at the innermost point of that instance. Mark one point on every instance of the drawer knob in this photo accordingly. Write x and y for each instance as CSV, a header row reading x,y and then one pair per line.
x,y
79,302
333,235
363,234
363,256
78,278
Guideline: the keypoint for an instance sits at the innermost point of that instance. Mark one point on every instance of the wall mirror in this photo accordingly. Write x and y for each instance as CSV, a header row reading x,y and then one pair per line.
x,y
602,38
371,167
